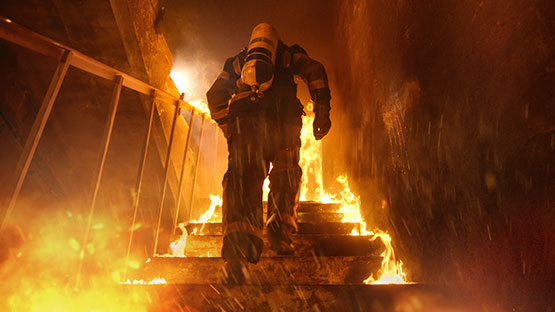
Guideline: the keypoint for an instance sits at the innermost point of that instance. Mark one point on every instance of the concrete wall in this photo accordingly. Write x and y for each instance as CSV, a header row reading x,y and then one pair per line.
x,y
452,103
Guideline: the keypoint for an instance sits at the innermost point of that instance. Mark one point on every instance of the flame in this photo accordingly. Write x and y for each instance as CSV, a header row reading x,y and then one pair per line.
x,y
200,105
209,215
312,184
155,281
349,204
391,269
39,273
178,246
266,187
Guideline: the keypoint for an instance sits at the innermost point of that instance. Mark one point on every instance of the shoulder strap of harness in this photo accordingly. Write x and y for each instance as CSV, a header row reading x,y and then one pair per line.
x,y
289,52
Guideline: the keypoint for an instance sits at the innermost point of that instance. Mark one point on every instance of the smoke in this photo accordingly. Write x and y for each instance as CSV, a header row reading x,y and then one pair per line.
x,y
194,75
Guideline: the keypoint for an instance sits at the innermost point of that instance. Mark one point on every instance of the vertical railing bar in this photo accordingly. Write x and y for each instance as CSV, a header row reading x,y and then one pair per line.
x,y
140,175
35,134
166,170
196,167
187,142
106,144
215,159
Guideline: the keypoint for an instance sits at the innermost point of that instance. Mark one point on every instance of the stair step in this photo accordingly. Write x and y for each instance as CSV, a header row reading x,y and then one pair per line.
x,y
319,217
312,206
335,228
316,217
369,298
315,207
314,212
268,271
305,245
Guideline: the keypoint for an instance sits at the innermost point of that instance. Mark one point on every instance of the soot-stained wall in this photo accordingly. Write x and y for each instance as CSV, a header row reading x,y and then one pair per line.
x,y
452,103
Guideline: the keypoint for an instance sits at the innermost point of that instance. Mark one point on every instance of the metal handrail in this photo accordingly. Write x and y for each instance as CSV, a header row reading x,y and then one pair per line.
x,y
31,40
67,57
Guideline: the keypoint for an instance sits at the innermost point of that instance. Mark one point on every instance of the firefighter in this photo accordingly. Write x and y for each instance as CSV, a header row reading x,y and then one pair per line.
x,y
254,101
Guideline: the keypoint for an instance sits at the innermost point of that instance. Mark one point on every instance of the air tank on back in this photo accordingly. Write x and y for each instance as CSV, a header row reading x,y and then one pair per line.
x,y
258,70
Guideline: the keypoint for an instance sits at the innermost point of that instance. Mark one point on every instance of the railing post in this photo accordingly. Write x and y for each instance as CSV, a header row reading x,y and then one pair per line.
x,y
140,178
166,169
35,134
106,138
196,168
106,144
187,143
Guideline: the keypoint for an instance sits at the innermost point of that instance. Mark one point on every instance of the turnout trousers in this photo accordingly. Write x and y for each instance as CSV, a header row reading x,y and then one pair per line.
x,y
254,142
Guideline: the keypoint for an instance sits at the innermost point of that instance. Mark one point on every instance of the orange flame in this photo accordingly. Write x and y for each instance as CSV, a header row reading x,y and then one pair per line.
x,y
209,216
391,269
266,187
312,189
312,184
39,273
200,105
178,246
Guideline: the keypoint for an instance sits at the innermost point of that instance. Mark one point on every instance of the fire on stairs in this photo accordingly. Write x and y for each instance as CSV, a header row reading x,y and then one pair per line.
x,y
326,214
336,257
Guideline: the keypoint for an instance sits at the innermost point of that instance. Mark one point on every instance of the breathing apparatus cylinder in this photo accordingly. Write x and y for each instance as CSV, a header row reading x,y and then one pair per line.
x,y
258,70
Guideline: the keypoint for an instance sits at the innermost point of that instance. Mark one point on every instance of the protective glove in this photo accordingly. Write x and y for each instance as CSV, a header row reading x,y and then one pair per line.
x,y
322,122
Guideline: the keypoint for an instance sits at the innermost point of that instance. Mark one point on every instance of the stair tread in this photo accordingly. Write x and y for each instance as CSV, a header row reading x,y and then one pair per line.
x,y
314,207
305,245
269,270
303,228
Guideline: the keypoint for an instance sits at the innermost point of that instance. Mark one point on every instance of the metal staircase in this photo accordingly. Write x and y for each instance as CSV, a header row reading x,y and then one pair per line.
x,y
325,274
